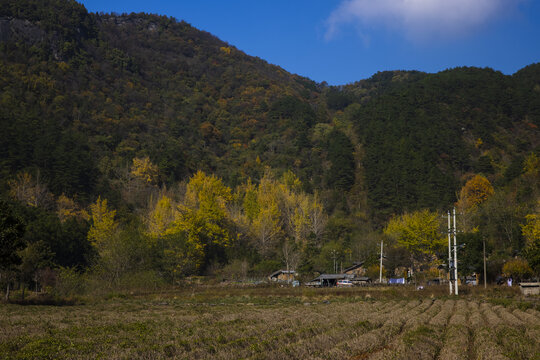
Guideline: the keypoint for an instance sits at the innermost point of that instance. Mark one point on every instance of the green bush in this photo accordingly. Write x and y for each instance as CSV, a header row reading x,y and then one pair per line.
x,y
69,282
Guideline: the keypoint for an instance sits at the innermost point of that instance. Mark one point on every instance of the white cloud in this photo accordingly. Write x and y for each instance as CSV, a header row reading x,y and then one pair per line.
x,y
418,20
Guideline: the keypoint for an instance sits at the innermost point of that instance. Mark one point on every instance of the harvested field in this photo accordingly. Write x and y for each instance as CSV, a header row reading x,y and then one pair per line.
x,y
275,325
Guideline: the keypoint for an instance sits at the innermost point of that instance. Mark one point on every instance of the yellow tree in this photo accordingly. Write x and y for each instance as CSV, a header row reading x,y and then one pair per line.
x,y
181,254
474,192
301,221
104,226
318,218
531,232
300,210
531,228
104,236
266,222
67,208
161,217
531,165
145,170
266,228
202,222
518,269
250,203
418,232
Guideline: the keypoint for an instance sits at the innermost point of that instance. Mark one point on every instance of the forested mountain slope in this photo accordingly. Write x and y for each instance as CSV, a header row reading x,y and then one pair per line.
x,y
423,138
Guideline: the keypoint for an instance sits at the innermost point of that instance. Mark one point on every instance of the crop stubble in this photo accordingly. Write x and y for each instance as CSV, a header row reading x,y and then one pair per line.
x,y
357,329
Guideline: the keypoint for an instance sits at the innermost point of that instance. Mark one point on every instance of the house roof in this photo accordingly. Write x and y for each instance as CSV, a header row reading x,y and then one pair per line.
x,y
354,266
278,272
330,277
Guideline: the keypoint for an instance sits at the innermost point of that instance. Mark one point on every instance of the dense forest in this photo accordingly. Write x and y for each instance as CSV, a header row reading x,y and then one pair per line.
x,y
134,145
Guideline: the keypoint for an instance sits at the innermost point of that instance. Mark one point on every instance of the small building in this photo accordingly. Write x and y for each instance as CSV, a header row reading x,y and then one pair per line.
x,y
356,270
283,276
328,280
530,288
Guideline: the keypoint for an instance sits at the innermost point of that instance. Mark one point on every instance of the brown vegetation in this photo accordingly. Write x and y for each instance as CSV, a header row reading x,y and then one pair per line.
x,y
274,323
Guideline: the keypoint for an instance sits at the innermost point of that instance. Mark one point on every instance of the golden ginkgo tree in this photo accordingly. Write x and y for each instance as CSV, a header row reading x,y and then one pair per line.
x,y
201,222
419,232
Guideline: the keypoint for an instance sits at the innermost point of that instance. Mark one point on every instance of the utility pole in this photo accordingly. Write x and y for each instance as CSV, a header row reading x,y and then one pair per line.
x,y
449,252
455,255
380,266
485,272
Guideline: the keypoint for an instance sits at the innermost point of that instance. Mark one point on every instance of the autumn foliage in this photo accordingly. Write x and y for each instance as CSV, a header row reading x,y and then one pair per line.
x,y
419,232
474,192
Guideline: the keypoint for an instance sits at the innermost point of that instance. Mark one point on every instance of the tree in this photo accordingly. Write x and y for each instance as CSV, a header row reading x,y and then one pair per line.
x,y
66,208
161,217
317,218
291,255
531,228
104,226
182,255
67,240
531,165
470,257
474,192
11,241
145,170
30,191
518,269
202,222
418,232
297,209
500,218
531,232
114,247
330,258
262,205
266,228
34,258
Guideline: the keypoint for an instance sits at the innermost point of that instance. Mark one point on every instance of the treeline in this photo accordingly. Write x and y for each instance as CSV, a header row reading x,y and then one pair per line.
x,y
203,227
193,228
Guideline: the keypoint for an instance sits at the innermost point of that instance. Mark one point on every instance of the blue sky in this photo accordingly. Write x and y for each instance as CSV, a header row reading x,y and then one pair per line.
x,y
342,41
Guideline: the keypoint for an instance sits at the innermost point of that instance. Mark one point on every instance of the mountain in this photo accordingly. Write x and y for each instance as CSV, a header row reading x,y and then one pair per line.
x,y
133,85
84,96
424,136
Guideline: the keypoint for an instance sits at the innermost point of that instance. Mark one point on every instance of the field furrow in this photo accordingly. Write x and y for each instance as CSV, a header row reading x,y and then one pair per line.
x,y
315,327
485,346
441,319
491,317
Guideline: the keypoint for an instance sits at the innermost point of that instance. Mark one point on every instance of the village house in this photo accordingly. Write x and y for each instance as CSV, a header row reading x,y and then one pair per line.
x,y
357,269
327,280
283,276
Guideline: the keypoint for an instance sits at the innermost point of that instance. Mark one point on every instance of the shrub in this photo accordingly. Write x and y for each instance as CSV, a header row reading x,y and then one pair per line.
x,y
518,269
69,282
266,267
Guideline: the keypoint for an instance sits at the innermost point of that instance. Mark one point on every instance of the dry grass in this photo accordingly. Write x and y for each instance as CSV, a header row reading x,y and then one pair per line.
x,y
273,323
